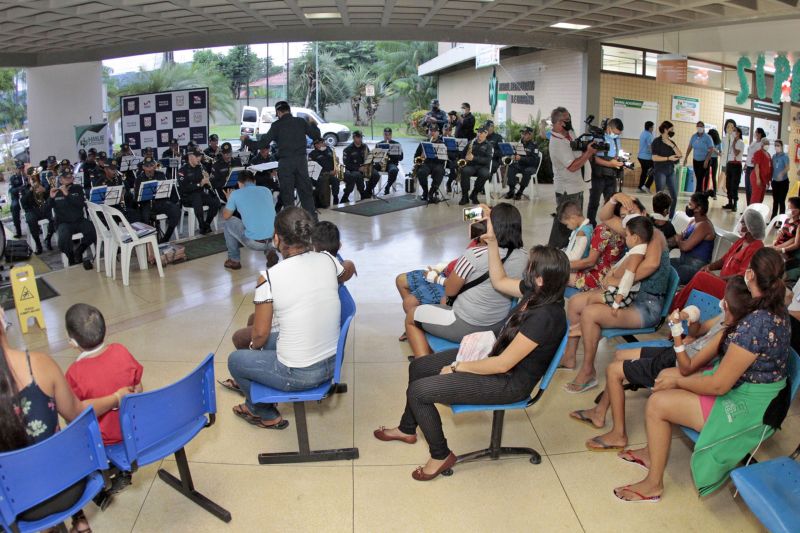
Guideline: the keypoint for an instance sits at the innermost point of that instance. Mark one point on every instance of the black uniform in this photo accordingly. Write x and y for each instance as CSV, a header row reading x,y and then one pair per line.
x,y
327,184
430,167
436,117
527,166
173,154
127,203
151,208
465,128
214,156
219,174
495,139
452,168
130,174
90,172
196,196
16,186
37,209
392,167
290,135
70,218
478,167
353,159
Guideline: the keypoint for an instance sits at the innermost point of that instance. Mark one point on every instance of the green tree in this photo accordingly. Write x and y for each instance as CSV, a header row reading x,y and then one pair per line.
x,y
350,54
357,80
13,111
303,81
397,66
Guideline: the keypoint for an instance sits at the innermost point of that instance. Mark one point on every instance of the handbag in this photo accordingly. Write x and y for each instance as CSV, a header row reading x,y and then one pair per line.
x,y
475,282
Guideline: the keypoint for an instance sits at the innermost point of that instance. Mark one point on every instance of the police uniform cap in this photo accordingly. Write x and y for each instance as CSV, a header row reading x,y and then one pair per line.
x,y
434,102
191,145
195,152
387,130
527,129
91,151
173,141
66,172
482,129
213,137
357,133
148,162
488,124
51,159
124,146
110,162
65,163
453,113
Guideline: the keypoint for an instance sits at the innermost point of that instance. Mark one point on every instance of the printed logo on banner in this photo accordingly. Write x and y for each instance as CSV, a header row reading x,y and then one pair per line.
x,y
130,106
179,101
148,138
134,140
147,104
199,135
196,118
180,119
163,137
147,122
130,124
163,120
164,102
182,135
197,99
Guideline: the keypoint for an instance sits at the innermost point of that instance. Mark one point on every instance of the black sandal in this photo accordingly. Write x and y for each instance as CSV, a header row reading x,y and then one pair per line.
x,y
242,412
231,385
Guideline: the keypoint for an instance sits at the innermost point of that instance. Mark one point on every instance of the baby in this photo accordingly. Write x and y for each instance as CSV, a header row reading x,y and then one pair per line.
x,y
638,233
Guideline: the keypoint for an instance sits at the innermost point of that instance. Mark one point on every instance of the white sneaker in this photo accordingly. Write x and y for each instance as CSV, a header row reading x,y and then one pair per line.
x,y
644,189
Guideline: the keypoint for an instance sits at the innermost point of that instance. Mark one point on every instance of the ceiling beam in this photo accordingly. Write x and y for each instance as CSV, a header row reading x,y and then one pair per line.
x,y
184,4
482,11
291,4
257,16
582,15
387,12
342,6
432,13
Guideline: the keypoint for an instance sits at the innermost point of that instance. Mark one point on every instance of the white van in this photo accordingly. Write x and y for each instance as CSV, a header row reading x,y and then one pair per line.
x,y
255,124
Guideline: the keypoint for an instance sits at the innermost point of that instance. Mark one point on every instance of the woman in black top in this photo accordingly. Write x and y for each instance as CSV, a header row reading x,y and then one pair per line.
x,y
665,154
520,357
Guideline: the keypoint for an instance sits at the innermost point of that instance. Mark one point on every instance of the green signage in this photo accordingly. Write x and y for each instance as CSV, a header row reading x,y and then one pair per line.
x,y
493,90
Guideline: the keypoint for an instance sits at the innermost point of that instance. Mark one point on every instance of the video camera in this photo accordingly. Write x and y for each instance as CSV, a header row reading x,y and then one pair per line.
x,y
594,136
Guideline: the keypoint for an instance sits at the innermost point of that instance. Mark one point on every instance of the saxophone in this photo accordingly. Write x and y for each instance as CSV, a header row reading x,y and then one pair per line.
x,y
338,169
461,163
365,167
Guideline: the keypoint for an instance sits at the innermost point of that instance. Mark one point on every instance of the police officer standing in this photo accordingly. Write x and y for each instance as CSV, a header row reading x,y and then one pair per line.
x,y
35,201
162,206
479,161
526,165
353,159
16,186
221,169
430,167
290,134
327,183
68,204
391,163
194,186
435,117
90,169
465,128
495,139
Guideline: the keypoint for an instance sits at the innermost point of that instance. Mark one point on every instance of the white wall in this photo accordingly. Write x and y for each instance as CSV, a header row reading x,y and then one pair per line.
x,y
59,98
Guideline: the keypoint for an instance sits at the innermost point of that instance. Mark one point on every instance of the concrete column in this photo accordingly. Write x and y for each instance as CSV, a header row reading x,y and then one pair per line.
x,y
59,98
593,58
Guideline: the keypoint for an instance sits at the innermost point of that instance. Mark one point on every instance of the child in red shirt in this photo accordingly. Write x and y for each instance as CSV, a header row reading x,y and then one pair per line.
x,y
100,370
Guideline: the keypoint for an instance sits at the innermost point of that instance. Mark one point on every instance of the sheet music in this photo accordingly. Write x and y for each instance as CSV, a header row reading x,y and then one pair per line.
x,y
441,151
244,156
129,162
113,195
519,149
462,143
314,170
505,149
233,178
164,189
393,149
378,153
97,195
170,162
147,190
264,166
451,143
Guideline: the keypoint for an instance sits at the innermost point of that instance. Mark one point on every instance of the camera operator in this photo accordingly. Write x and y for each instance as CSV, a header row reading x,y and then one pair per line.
x,y
569,167
606,169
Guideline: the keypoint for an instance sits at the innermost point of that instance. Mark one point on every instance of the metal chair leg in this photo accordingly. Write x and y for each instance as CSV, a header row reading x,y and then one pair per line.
x,y
185,486
495,449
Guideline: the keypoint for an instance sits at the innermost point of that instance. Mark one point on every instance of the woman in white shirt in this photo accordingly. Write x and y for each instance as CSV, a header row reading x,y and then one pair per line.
x,y
733,168
301,293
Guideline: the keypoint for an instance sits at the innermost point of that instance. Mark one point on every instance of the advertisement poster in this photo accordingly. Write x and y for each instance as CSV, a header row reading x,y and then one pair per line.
x,y
685,109
91,136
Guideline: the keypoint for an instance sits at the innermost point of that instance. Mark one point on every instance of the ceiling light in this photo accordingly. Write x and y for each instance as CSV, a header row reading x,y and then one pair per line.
x,y
570,26
324,15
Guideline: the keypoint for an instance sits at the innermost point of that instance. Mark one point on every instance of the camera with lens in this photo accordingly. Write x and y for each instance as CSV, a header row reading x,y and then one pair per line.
x,y
594,136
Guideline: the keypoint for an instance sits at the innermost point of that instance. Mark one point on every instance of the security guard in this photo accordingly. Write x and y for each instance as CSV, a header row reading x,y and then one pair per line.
x,y
221,169
430,167
392,163
69,204
289,133
353,159
16,187
35,202
526,165
163,206
194,188
494,139
327,183
479,162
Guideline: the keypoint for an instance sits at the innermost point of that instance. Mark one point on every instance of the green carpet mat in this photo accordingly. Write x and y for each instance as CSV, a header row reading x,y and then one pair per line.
x,y
204,246
371,208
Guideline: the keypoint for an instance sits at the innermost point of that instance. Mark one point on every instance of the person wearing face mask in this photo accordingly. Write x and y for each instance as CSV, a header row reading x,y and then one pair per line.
x,y
696,243
711,164
761,176
700,146
735,261
665,154
780,179
733,168
788,240
606,169
435,117
646,157
752,150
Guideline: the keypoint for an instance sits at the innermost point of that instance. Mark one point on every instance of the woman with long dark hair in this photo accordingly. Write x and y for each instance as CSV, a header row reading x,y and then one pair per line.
x,y
520,357
727,403
696,243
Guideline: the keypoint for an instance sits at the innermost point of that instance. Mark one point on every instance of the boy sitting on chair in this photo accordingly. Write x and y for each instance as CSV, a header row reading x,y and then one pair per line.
x,y
326,238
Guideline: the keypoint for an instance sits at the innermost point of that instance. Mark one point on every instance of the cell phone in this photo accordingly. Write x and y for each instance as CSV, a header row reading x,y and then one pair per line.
x,y
476,229
472,213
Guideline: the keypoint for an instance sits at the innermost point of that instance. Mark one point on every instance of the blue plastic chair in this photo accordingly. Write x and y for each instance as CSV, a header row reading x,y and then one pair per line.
x,y
496,449
439,344
156,424
772,492
260,393
31,475
630,334
569,292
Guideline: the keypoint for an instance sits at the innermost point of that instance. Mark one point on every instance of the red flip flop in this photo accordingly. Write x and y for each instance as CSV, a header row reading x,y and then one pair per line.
x,y
642,497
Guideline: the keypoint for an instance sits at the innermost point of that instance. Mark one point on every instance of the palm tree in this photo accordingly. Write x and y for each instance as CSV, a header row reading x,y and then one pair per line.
x,y
397,66
304,80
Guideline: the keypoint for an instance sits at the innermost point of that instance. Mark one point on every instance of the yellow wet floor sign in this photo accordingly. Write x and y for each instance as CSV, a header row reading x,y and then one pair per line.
x,y
26,296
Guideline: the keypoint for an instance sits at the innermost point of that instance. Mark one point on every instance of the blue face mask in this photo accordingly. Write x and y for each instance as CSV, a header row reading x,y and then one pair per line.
x,y
612,135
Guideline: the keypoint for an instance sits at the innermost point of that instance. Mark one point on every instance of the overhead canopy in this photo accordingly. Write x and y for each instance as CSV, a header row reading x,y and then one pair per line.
x,y
46,32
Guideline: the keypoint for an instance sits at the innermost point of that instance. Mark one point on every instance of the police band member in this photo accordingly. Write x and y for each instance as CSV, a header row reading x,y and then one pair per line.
x,y
494,139
221,169
173,151
69,205
16,187
194,186
430,167
465,129
479,161
89,168
526,165
327,184
289,133
451,168
435,117
36,203
162,206
353,159
392,162
265,178
49,169
213,150
112,177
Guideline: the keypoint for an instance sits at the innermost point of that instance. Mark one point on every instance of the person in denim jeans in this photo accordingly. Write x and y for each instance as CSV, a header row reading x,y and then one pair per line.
x,y
665,154
296,326
253,228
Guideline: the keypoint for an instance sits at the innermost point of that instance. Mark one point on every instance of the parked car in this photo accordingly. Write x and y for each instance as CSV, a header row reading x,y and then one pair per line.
x,y
256,124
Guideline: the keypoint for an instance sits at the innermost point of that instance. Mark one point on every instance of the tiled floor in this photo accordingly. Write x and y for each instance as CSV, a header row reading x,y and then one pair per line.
x,y
170,324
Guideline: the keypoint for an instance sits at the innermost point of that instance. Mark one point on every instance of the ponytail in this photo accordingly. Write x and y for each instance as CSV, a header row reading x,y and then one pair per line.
x,y
294,226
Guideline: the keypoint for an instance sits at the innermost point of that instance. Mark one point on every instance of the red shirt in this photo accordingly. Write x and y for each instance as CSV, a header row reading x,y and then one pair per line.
x,y
102,375
763,161
737,259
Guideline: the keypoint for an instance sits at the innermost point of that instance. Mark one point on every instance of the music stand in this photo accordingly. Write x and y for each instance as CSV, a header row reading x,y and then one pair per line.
x,y
314,170
147,191
129,162
233,178
263,167
244,156
104,194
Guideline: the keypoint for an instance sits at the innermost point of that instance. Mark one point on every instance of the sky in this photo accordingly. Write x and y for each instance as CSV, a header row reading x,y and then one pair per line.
x,y
277,51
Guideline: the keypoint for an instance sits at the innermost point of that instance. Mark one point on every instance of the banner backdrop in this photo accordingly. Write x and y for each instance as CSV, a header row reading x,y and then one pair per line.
x,y
151,120
92,136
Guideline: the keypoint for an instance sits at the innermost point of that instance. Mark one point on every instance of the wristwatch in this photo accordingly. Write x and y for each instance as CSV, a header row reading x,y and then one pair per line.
x,y
454,366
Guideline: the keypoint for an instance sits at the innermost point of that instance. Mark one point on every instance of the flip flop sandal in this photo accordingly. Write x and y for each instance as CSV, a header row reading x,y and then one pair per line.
x,y
634,461
642,497
582,387
578,416
403,338
602,446
231,385
257,420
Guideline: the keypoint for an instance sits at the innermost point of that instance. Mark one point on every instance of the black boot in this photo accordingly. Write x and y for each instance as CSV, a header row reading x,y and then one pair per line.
x,y
474,198
49,241
464,200
38,243
510,194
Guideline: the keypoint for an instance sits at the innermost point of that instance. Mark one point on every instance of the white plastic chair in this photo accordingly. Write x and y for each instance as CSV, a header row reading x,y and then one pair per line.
x,y
114,218
763,209
723,242
192,221
780,220
104,241
44,225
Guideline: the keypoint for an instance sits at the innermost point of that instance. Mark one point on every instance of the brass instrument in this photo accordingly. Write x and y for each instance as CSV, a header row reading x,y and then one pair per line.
x,y
39,193
418,161
461,163
207,186
338,169
364,169
507,160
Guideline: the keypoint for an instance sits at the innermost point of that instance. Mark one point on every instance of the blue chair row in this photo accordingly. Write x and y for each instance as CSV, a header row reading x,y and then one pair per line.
x,y
264,394
439,344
